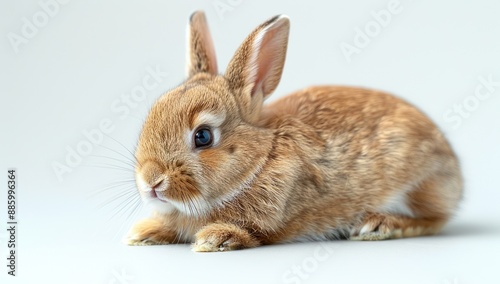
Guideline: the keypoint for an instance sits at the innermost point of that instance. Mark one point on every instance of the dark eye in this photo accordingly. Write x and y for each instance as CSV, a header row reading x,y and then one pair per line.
x,y
203,138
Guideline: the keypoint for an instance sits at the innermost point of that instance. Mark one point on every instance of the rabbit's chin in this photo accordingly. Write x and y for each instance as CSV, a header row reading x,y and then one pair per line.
x,y
159,206
195,208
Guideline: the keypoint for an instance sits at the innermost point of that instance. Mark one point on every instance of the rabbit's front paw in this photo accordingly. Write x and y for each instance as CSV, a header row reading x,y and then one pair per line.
x,y
223,237
149,232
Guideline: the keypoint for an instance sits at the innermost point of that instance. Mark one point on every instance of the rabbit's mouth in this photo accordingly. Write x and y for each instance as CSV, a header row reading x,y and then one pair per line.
x,y
159,196
155,195
160,205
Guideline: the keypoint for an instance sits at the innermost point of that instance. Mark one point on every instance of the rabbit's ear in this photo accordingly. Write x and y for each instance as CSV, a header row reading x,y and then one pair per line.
x,y
200,48
255,70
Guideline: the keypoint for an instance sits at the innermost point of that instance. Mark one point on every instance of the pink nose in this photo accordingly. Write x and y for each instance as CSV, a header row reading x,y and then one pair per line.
x,y
158,185
151,189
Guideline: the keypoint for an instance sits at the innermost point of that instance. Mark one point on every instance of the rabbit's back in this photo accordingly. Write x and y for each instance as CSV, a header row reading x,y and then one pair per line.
x,y
377,153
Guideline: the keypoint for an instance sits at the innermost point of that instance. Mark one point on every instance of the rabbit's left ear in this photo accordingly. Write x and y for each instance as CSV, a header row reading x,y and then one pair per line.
x,y
200,47
255,70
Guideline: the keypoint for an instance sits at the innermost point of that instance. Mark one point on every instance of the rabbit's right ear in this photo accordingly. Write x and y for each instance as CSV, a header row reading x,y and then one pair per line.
x,y
200,47
255,70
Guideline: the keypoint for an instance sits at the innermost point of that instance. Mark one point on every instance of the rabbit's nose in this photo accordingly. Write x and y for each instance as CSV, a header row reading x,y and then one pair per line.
x,y
160,185
151,179
153,190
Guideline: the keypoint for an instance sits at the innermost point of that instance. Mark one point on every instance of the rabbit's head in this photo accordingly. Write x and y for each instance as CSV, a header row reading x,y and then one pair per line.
x,y
200,145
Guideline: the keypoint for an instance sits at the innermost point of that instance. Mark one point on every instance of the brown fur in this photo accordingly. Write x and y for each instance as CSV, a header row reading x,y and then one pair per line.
x,y
323,163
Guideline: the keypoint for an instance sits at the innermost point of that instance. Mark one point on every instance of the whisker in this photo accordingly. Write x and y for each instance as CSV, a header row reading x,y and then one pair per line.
x,y
112,186
128,163
121,154
136,202
123,206
110,222
128,192
135,211
134,160
114,167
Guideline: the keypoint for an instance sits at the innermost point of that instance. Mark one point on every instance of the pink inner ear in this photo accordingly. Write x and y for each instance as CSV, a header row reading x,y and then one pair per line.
x,y
266,65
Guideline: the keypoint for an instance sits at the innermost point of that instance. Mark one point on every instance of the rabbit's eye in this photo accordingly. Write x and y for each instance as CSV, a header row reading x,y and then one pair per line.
x,y
203,138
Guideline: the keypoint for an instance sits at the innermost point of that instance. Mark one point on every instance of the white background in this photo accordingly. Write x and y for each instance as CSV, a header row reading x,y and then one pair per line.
x,y
67,76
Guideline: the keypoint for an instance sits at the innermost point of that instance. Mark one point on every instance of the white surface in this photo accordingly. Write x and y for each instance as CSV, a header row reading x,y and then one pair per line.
x,y
70,76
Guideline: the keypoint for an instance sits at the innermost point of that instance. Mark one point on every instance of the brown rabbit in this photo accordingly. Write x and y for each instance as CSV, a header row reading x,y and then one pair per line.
x,y
226,172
